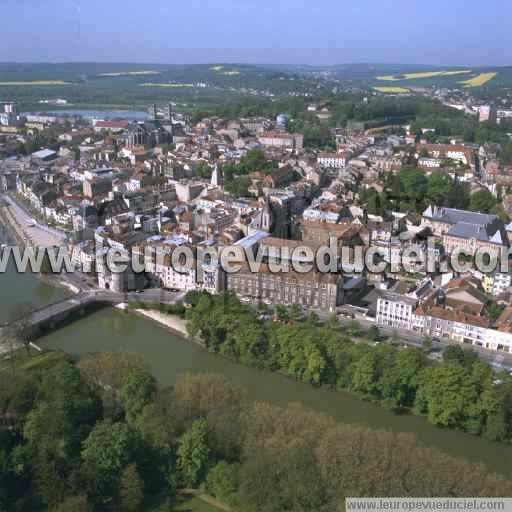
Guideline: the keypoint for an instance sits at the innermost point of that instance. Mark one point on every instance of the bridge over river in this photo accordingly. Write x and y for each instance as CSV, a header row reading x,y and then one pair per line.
x,y
48,317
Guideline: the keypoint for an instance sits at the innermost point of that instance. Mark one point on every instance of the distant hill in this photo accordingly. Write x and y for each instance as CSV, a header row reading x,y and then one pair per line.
x,y
139,84
135,85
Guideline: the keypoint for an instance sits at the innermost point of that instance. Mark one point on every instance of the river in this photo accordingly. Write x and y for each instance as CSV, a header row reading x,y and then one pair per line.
x,y
169,355
130,115
19,289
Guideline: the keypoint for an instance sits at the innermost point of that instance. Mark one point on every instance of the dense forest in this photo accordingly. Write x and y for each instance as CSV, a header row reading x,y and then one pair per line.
x,y
460,392
101,435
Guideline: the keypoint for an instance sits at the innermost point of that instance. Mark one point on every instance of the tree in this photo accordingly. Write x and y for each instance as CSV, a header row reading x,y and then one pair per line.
x,y
105,452
20,328
296,313
458,196
414,184
494,310
463,356
193,454
131,489
496,428
354,328
222,480
282,313
137,393
482,201
203,170
365,373
439,188
399,381
447,392
111,369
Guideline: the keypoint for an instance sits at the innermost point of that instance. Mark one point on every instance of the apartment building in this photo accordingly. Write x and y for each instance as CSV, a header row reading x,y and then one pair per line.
x,y
471,230
462,154
182,275
333,160
431,317
313,290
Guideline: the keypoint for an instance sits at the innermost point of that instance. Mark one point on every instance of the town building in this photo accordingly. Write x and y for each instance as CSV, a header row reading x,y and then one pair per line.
x,y
333,160
311,290
282,140
471,230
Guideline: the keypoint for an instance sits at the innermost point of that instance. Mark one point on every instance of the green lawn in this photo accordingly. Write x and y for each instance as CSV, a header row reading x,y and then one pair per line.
x,y
33,362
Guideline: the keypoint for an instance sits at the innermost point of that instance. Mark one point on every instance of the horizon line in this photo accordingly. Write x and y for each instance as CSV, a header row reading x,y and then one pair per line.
x,y
253,63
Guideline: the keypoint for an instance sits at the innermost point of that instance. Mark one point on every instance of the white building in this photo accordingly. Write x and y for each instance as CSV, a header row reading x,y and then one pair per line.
x,y
395,311
333,160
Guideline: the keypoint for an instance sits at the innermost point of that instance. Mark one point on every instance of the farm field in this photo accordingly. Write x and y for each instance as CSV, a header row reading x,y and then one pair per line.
x,y
478,80
392,90
423,74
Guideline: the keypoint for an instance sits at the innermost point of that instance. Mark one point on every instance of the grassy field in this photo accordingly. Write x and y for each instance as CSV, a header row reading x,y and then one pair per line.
x,y
424,74
478,80
392,90
36,82
21,360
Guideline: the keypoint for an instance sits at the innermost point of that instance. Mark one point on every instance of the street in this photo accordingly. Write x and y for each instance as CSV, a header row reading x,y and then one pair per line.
x,y
36,234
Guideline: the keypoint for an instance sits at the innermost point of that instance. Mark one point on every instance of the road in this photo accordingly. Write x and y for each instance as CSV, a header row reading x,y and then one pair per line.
x,y
35,233
499,360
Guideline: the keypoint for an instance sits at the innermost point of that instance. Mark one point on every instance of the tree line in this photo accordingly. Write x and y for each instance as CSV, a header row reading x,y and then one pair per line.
x,y
460,392
411,191
101,435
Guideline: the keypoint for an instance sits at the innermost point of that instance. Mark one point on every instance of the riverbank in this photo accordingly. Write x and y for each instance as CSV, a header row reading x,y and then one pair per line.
x,y
15,232
172,322
57,281
12,227
169,355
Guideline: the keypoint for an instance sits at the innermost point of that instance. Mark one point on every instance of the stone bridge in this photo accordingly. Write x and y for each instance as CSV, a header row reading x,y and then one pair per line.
x,y
48,317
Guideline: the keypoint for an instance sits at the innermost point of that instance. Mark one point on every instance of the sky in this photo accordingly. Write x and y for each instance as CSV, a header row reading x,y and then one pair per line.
x,y
435,32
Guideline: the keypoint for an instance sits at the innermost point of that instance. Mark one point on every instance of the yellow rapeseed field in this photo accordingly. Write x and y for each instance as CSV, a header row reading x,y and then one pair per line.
x,y
392,90
423,74
478,80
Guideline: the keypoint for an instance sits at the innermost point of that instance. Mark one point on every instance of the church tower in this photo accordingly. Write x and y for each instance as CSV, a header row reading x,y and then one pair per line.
x,y
168,112
216,180
153,112
267,217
